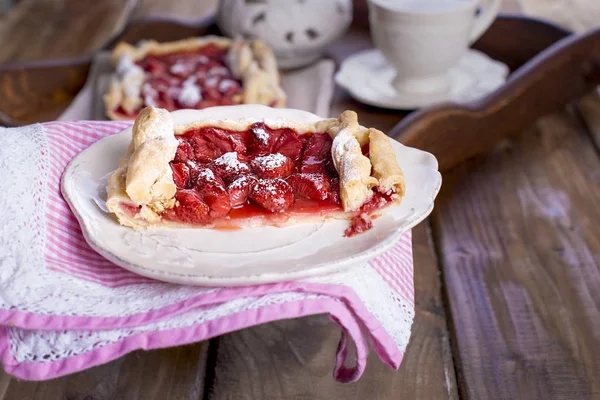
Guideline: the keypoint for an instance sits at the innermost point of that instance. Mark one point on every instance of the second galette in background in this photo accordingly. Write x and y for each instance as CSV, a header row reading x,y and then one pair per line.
x,y
194,73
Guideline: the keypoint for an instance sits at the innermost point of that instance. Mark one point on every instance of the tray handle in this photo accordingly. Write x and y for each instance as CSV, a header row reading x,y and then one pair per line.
x,y
557,76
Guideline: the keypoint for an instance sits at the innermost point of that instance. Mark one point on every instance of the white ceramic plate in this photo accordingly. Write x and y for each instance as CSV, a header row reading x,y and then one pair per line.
x,y
367,76
228,258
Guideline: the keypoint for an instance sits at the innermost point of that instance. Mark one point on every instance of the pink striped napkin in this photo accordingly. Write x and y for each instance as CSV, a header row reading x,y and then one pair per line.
x,y
64,308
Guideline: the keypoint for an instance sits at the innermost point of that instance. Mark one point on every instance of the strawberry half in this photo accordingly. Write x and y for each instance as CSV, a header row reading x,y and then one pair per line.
x,y
317,154
275,195
289,145
196,170
153,66
181,175
262,139
311,185
239,190
212,191
229,166
185,151
223,140
189,207
217,199
182,69
204,151
272,166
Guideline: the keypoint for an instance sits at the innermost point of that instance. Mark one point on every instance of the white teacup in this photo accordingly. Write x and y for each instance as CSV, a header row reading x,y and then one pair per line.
x,y
424,39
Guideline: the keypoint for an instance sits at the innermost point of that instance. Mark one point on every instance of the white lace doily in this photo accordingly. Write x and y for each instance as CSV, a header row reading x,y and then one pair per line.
x,y
28,287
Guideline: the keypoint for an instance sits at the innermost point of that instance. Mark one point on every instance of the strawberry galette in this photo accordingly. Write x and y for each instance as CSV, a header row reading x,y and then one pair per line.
x,y
192,74
241,173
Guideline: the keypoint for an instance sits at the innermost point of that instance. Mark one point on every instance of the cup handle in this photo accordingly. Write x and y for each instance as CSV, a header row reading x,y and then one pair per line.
x,y
488,11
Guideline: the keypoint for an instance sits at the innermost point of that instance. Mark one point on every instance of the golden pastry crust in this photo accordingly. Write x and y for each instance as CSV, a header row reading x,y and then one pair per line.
x,y
251,62
385,166
144,178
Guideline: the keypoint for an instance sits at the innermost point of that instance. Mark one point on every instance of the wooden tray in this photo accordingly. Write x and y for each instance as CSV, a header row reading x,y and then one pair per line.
x,y
550,68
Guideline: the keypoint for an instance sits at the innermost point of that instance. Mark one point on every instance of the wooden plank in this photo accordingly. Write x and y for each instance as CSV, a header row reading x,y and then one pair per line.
x,y
37,30
99,382
520,249
589,109
295,358
40,30
174,373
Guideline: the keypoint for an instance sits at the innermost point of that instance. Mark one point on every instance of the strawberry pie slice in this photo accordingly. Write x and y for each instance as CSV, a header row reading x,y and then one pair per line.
x,y
243,173
192,74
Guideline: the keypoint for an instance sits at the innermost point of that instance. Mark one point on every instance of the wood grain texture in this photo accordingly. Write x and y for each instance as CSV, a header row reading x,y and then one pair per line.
x,y
40,30
172,373
516,230
294,359
521,260
164,29
175,373
40,92
589,111
99,382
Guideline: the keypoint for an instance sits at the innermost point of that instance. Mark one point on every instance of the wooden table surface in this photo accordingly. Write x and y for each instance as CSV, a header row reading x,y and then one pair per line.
x,y
507,286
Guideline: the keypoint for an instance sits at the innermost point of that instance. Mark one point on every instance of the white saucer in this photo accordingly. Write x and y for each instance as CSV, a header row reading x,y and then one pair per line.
x,y
368,76
249,256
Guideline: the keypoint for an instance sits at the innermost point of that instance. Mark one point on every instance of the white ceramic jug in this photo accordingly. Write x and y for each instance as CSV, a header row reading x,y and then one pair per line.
x,y
298,31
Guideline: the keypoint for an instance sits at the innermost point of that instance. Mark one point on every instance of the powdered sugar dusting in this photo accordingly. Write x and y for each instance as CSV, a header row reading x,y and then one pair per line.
x,y
270,186
178,68
190,93
271,161
260,134
317,179
207,175
226,84
241,182
125,67
131,76
162,129
211,81
149,94
218,71
345,142
231,163
202,59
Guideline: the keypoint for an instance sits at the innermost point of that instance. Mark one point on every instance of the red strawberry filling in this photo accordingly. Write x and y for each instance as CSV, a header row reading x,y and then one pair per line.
x,y
272,166
181,175
227,176
275,195
191,79
362,222
239,190
314,186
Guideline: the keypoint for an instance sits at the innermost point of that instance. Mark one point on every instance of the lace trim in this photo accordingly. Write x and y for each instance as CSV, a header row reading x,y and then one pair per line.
x,y
26,285
47,346
23,177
